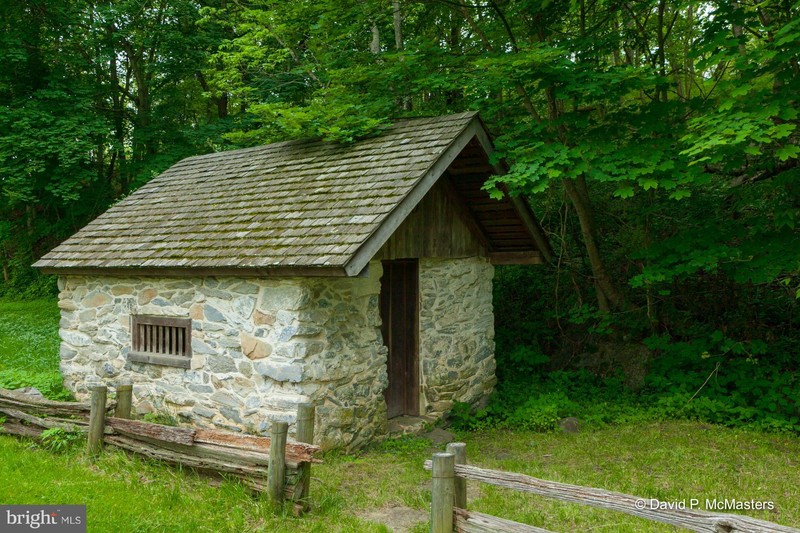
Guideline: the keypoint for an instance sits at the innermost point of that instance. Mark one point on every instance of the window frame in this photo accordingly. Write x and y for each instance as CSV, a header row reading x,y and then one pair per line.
x,y
139,354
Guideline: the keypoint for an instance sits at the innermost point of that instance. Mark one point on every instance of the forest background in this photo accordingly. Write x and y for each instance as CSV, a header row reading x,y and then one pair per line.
x,y
656,139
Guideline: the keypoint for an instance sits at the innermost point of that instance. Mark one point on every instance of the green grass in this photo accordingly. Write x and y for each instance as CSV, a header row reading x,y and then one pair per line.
x,y
29,345
124,493
671,461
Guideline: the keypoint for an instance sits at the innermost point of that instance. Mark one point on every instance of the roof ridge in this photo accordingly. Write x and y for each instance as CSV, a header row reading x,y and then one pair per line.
x,y
440,118
309,140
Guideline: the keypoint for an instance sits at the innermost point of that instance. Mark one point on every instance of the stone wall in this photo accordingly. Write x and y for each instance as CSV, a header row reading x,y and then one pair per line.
x,y
456,339
260,346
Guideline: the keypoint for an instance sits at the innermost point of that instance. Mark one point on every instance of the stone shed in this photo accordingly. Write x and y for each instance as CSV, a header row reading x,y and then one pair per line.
x,y
357,277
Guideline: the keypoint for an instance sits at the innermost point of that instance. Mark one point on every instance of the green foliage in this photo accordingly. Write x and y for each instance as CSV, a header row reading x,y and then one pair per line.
x,y
722,380
539,413
165,419
539,404
320,119
29,284
740,385
29,347
48,383
605,403
92,105
523,333
58,440
729,360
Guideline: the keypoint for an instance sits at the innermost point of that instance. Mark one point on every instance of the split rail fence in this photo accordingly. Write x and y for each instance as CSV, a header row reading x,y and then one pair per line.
x,y
449,502
265,464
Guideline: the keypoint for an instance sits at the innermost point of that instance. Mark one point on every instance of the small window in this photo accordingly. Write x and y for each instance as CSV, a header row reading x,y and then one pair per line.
x,y
161,340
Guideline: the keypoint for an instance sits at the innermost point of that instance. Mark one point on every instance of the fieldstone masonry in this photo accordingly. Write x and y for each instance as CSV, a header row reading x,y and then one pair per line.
x,y
456,340
261,346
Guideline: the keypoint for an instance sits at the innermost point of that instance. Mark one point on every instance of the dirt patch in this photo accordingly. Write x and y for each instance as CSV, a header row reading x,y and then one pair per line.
x,y
397,518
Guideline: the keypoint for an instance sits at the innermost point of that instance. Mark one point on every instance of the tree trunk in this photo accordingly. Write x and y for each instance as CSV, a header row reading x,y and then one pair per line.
x,y
737,29
397,18
375,44
689,76
118,119
661,56
608,295
5,265
454,43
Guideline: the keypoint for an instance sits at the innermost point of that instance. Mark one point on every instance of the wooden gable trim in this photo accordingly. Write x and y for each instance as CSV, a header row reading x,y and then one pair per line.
x,y
533,227
379,237
516,258
464,213
520,205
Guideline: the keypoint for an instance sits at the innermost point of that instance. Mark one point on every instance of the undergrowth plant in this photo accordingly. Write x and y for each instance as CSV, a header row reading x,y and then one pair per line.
x,y
58,440
541,403
165,419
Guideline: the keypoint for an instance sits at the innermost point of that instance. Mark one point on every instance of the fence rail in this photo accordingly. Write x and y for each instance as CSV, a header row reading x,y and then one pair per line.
x,y
281,470
448,514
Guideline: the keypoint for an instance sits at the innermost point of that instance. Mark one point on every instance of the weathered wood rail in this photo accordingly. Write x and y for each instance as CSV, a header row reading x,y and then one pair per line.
x,y
283,471
449,496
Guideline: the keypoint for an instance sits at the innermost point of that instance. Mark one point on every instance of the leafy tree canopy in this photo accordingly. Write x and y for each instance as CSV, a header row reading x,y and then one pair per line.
x,y
657,139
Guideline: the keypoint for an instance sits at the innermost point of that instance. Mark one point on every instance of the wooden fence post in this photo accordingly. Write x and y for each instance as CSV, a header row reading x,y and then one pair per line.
x,y
442,493
459,450
304,433
97,421
276,476
124,401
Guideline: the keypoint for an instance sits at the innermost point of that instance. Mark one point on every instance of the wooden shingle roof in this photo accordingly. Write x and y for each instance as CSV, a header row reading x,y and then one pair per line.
x,y
290,208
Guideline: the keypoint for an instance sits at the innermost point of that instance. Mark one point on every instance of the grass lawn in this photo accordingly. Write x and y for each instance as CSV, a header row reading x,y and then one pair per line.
x,y
29,345
671,461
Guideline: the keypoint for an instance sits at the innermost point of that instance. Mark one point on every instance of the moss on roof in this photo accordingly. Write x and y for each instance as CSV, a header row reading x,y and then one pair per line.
x,y
289,204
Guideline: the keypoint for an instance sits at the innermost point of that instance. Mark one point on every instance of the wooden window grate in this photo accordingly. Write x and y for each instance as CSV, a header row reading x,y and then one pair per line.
x,y
162,336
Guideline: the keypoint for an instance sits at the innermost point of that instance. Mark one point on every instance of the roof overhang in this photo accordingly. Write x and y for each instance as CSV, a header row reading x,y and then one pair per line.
x,y
379,237
475,130
166,272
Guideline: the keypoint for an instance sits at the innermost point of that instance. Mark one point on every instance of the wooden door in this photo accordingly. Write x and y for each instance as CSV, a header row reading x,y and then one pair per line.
x,y
400,317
